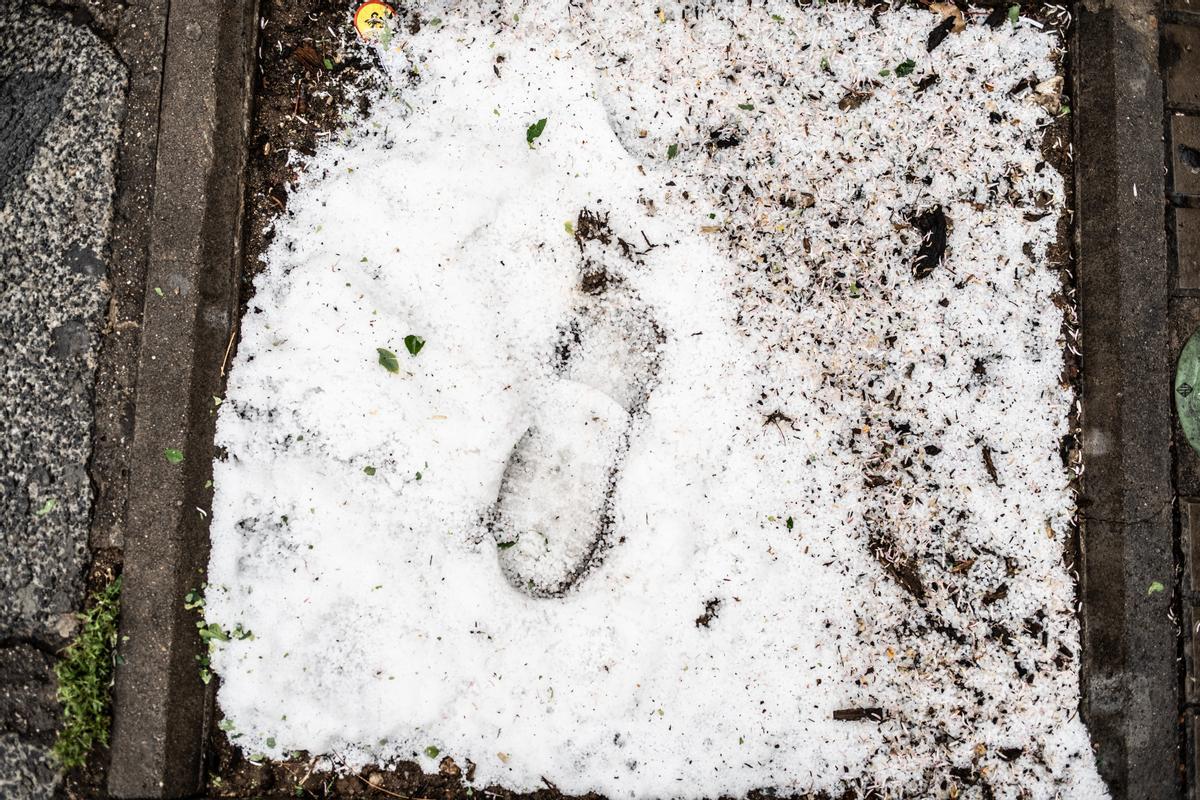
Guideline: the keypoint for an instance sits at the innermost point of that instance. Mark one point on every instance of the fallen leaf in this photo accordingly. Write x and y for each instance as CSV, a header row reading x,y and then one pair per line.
x,y
939,34
1048,94
932,225
945,10
853,100
413,344
387,359
534,131
308,56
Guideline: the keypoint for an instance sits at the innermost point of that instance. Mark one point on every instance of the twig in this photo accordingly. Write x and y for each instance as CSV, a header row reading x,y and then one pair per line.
x,y
228,347
381,789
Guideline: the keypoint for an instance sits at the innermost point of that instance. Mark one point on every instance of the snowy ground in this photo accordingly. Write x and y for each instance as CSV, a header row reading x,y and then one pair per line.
x,y
711,473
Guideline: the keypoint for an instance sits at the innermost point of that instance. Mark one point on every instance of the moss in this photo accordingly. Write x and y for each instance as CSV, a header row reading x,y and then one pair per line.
x,y
85,678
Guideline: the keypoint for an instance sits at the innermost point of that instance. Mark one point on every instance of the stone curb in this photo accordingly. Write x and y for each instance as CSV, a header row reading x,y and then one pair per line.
x,y
1130,679
160,706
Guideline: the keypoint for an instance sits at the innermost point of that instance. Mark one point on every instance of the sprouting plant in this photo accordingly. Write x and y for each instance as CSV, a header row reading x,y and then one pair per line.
x,y
210,632
85,678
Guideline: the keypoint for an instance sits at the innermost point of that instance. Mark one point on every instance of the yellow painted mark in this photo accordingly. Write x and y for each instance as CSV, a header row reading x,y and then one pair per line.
x,y
372,18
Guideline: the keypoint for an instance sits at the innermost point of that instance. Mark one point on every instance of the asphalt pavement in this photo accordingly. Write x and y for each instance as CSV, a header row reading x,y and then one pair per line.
x,y
61,107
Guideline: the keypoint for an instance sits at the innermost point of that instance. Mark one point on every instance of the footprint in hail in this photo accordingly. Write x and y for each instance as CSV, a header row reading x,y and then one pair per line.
x,y
553,517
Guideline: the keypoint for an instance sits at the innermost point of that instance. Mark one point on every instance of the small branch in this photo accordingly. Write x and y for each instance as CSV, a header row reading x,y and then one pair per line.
x,y
381,789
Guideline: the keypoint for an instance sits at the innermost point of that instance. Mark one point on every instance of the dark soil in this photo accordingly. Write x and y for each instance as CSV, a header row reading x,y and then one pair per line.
x,y
307,78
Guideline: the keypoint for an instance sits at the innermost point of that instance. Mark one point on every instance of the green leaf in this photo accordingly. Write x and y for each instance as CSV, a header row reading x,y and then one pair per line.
x,y
328,64
435,21
825,65
158,291
506,545
569,227
1156,588
174,456
883,73
418,476
226,725
413,344
84,676
432,751
270,741
905,68
387,360
672,151
790,523
777,18
213,631
1014,13
369,470
746,106
534,131
46,508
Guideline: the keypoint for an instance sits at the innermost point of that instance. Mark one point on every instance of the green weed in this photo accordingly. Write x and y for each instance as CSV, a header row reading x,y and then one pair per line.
x,y
85,678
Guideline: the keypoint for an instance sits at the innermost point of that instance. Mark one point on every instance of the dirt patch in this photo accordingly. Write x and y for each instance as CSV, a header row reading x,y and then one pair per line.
x,y
308,83
297,778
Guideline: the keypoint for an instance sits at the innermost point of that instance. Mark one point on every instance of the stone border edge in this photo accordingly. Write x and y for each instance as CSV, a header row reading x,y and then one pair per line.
x,y
1130,677
160,706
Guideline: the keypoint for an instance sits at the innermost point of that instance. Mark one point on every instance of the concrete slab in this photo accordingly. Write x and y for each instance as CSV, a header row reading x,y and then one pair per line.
x,y
1185,153
1186,226
1130,680
1181,65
